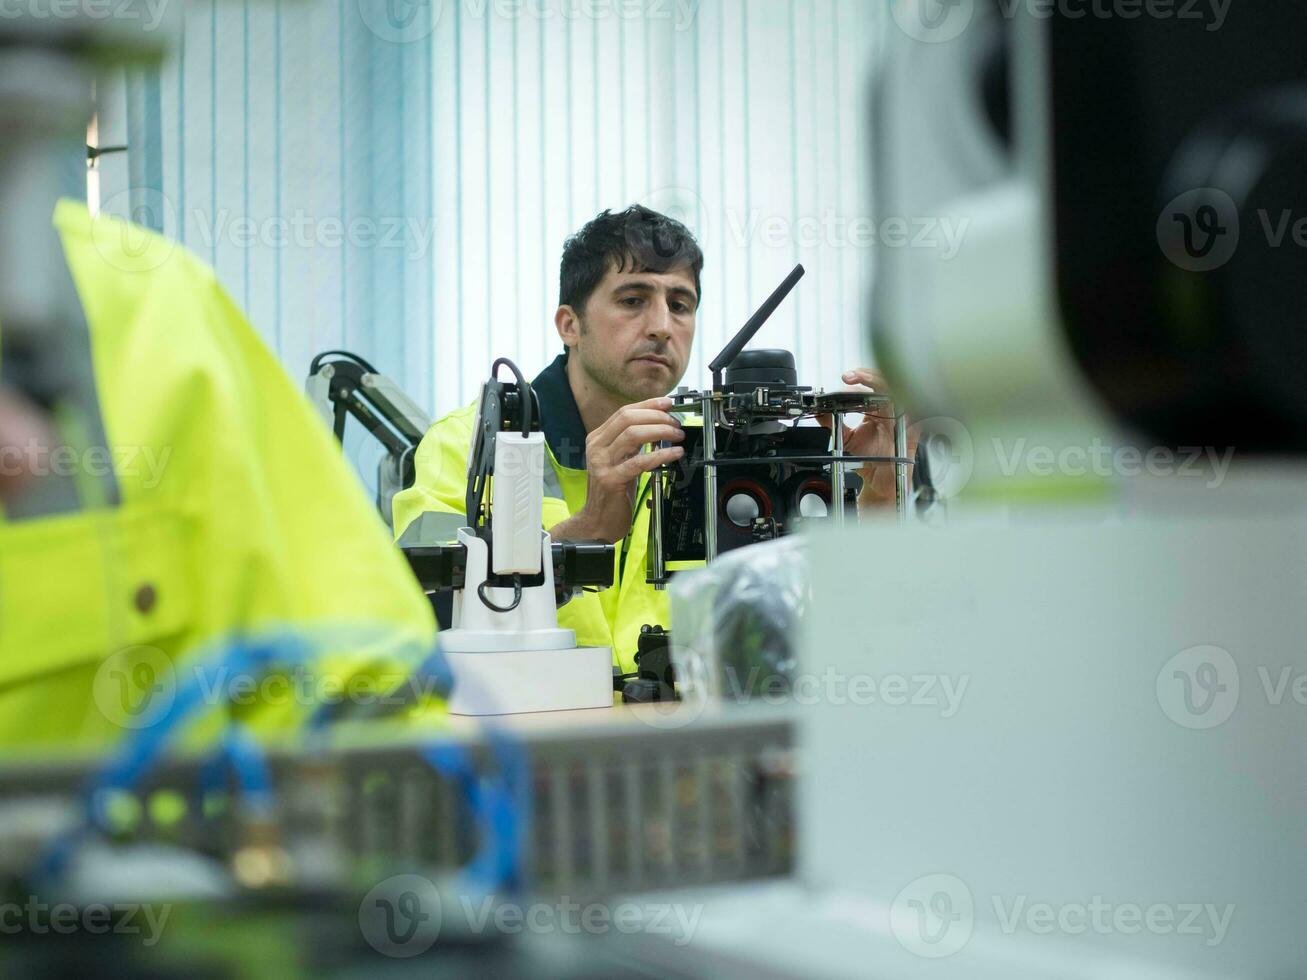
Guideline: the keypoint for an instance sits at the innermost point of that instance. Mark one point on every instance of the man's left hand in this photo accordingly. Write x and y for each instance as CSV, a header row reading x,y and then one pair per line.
x,y
874,436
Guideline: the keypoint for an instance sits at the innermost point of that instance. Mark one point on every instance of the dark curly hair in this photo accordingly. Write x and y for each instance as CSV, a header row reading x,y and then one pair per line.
x,y
637,239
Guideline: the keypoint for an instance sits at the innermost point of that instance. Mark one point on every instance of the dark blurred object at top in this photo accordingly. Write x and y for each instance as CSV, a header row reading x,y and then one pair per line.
x,y
1167,144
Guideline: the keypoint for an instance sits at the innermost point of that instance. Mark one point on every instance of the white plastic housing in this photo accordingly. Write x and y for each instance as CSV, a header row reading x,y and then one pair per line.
x,y
970,314
518,502
519,661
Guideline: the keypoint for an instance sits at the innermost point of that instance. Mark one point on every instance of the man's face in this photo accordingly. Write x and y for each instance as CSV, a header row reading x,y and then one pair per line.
x,y
636,331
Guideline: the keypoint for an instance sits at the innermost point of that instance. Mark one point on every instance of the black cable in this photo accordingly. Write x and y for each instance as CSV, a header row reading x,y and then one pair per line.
x,y
517,596
317,361
528,408
528,417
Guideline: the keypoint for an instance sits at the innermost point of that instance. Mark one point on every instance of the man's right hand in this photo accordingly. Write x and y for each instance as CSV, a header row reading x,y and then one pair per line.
x,y
614,463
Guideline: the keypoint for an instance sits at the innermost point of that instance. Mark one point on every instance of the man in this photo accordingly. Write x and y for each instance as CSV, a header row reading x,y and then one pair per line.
x,y
630,286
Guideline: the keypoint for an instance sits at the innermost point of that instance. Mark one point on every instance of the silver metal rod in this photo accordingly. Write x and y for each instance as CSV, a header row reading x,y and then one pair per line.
x,y
709,479
902,473
657,560
837,469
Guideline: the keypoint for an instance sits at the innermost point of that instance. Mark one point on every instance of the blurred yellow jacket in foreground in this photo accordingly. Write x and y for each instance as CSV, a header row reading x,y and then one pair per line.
x,y
237,512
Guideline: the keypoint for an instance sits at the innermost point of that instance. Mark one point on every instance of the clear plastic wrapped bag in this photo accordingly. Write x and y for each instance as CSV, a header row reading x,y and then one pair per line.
x,y
736,622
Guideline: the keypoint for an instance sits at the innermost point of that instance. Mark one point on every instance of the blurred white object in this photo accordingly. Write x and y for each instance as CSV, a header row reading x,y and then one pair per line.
x,y
1069,748
971,333
1068,735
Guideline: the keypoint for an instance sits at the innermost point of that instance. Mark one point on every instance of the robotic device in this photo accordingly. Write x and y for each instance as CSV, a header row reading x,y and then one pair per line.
x,y
506,650
655,677
342,384
751,473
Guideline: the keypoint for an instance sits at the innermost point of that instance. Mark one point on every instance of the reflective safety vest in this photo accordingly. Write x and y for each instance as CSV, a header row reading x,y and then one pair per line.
x,y
237,511
611,618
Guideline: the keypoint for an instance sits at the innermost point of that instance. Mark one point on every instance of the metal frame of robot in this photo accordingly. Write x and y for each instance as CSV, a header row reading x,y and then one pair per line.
x,y
719,408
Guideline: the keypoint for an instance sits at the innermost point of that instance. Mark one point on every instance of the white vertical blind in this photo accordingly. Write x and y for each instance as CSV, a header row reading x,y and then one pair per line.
x,y
293,145
744,118
405,193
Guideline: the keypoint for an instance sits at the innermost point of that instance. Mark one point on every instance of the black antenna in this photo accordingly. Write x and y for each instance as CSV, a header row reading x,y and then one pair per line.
x,y
732,350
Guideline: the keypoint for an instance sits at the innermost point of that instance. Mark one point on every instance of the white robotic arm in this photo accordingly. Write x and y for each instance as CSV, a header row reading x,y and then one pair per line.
x,y
506,649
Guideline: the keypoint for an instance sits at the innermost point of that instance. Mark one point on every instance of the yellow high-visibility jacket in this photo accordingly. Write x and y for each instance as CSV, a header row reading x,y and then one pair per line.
x,y
611,618
237,510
